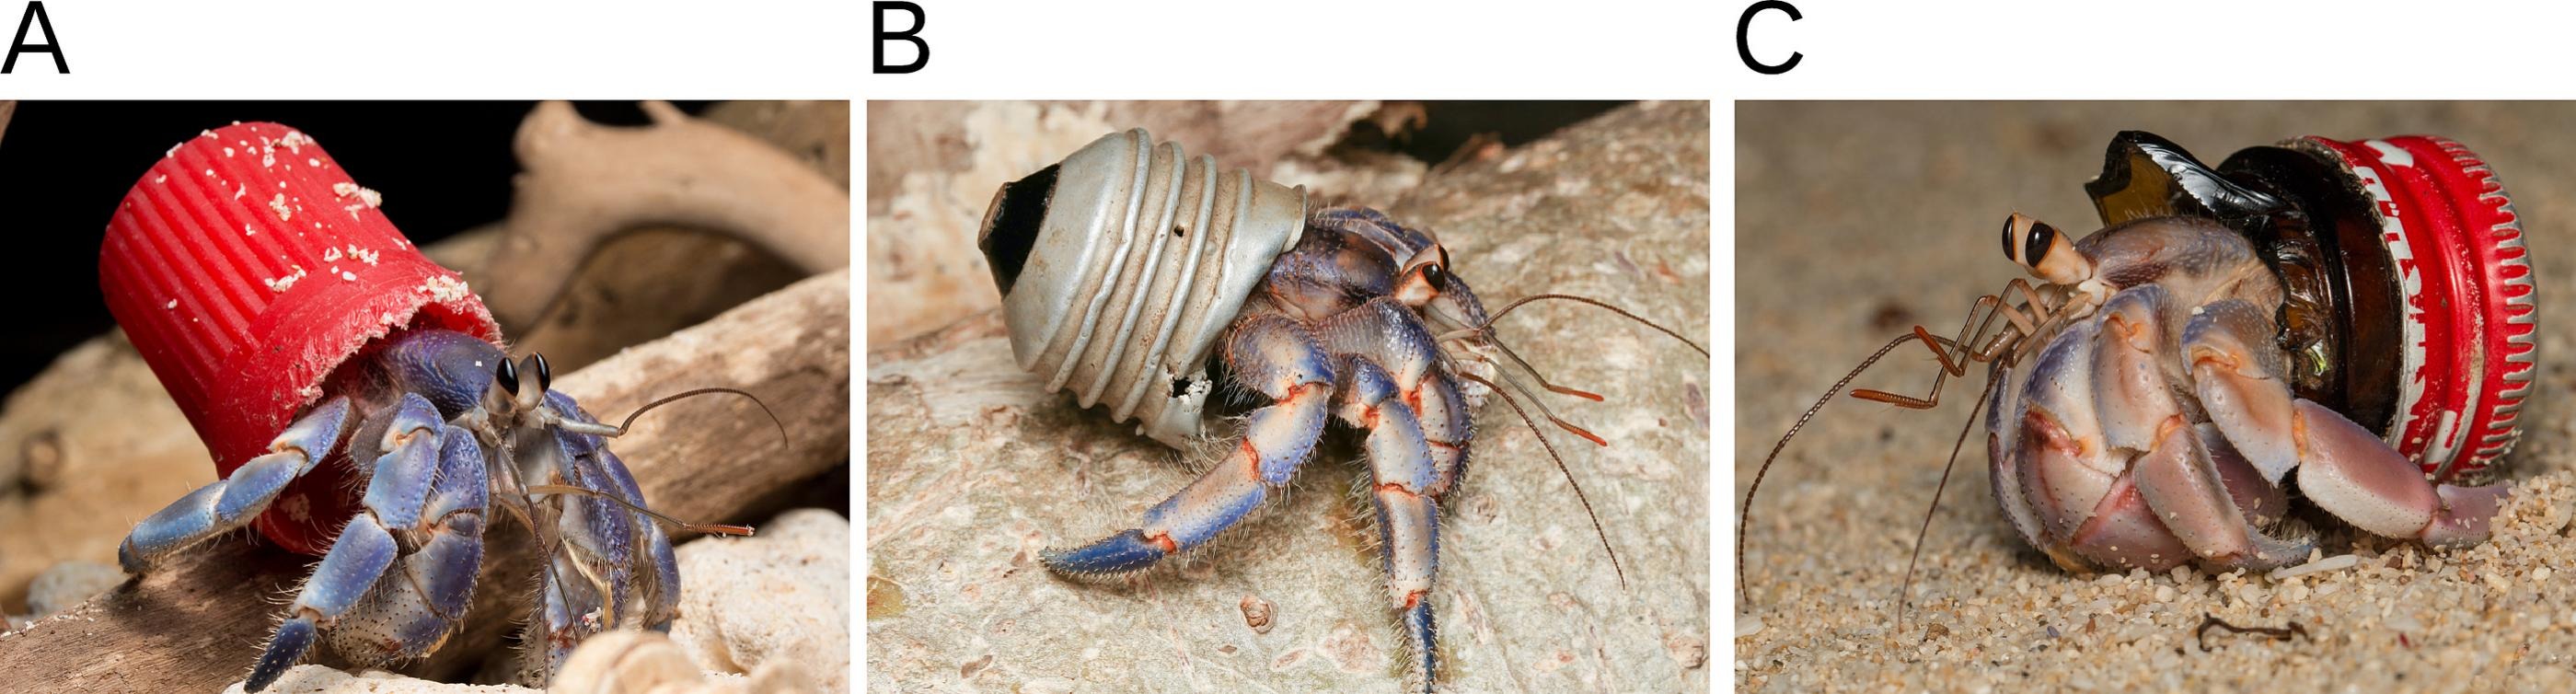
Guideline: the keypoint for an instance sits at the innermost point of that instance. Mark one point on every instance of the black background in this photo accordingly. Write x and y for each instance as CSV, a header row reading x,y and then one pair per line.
x,y
445,167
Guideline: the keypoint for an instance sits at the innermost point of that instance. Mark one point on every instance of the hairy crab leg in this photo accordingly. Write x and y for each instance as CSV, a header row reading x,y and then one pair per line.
x,y
1402,473
397,491
1391,359
232,502
426,593
1277,357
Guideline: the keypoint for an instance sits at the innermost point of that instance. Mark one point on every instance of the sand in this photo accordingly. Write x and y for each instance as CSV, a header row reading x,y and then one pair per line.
x,y
1855,221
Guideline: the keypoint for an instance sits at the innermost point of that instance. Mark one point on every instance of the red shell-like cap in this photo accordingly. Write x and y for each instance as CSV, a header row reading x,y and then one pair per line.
x,y
245,267
2469,344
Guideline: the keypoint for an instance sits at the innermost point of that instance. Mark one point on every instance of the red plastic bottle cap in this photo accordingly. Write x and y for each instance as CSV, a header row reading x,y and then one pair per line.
x,y
245,267
2469,332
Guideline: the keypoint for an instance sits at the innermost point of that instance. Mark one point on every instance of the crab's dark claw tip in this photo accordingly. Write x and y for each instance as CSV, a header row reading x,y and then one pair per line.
x,y
132,563
1424,633
1120,553
284,650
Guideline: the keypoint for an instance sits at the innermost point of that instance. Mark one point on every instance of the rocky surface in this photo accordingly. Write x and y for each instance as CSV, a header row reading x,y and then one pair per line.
x,y
972,470
781,596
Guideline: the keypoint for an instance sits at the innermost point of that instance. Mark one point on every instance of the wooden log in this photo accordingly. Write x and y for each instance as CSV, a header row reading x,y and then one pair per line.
x,y
585,182
198,623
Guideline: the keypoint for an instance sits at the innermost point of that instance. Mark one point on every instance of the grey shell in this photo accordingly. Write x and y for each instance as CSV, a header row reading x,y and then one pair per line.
x,y
1122,266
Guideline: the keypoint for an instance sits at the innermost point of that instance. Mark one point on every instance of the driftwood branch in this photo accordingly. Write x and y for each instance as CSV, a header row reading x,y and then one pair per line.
x,y
585,182
197,624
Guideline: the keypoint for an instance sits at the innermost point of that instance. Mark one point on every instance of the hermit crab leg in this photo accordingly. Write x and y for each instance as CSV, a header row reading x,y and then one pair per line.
x,y
396,494
1408,514
1973,344
2000,349
2179,497
1389,365
232,502
426,601
604,575
1280,359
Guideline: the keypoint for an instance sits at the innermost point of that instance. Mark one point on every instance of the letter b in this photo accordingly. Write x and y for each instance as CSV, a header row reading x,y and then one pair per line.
x,y
913,35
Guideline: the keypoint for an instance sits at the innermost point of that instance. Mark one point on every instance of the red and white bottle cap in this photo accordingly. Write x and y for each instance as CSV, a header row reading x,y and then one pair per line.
x,y
2468,335
245,266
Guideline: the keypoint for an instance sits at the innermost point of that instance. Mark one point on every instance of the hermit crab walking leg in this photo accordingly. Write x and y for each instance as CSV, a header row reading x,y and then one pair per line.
x,y
228,504
1270,354
396,495
439,576
1379,336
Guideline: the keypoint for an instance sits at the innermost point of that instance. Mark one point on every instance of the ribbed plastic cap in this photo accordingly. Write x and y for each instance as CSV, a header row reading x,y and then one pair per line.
x,y
2469,350
245,267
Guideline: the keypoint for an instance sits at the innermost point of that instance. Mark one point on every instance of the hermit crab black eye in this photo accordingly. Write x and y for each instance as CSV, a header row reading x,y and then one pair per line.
x,y
545,376
1438,278
2009,234
507,375
2035,248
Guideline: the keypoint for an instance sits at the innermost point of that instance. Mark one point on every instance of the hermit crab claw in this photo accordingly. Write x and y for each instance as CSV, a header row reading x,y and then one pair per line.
x,y
2349,473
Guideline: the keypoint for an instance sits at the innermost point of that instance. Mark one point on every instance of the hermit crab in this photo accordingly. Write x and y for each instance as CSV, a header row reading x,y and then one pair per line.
x,y
1166,290
356,399
2348,323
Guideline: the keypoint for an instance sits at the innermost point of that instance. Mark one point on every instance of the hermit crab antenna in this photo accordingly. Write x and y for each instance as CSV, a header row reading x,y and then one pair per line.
x,y
1510,378
1542,378
1560,468
1905,590
668,399
1744,513
1596,303
707,528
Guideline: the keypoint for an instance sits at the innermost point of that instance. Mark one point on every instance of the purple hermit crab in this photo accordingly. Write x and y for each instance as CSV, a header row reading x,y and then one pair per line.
x,y
444,418
1128,270
320,355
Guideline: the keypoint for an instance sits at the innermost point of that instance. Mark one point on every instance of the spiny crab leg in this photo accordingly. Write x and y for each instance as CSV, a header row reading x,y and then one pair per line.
x,y
232,502
1278,357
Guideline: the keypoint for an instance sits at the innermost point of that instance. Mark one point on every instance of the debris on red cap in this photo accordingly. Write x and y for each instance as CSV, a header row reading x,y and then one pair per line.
x,y
2469,350
245,266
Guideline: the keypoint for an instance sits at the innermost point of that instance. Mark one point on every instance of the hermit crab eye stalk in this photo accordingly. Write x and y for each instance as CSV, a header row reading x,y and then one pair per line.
x,y
2044,251
1426,275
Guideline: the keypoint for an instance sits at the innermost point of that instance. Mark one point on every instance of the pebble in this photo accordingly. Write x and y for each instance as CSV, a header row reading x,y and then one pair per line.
x,y
69,584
